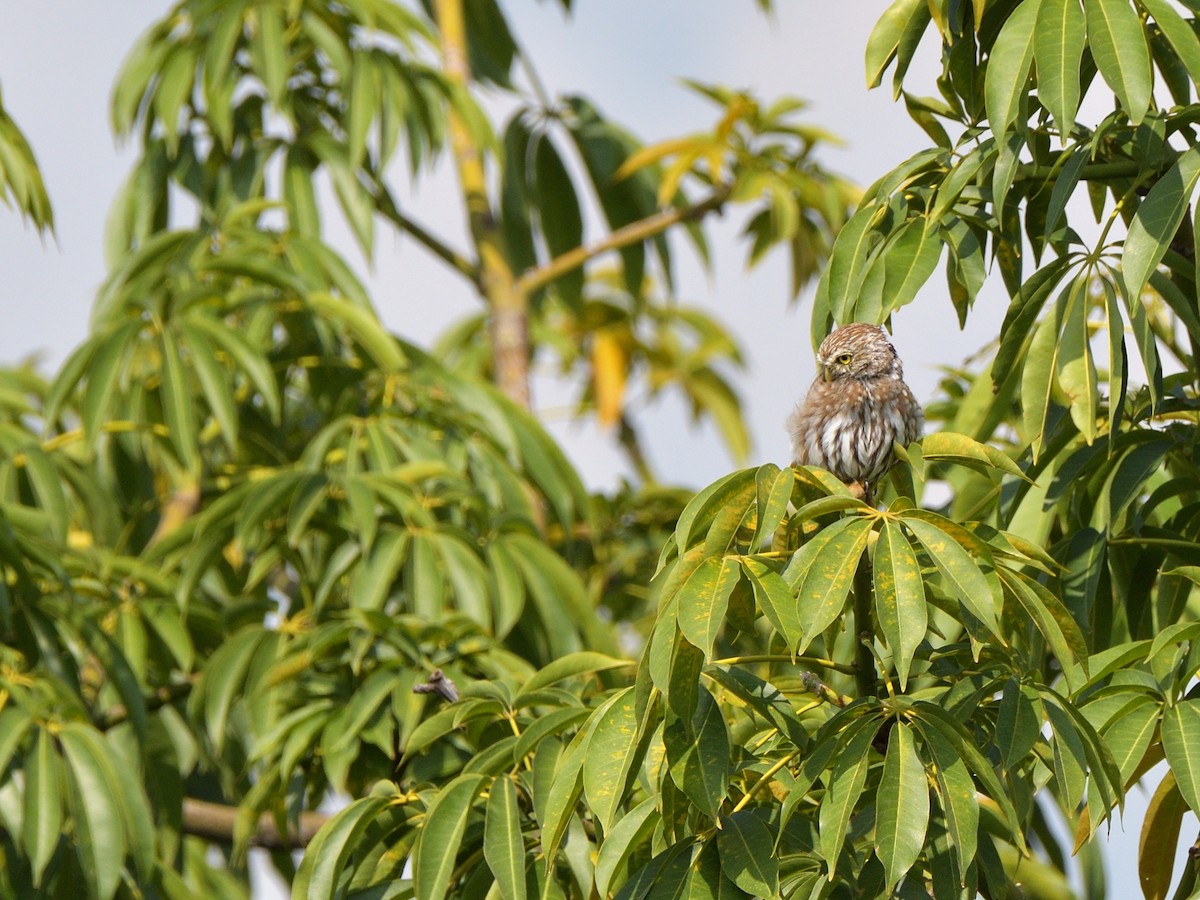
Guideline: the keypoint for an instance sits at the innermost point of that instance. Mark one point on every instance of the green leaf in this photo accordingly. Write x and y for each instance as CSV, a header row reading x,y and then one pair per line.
x,y
364,100
104,367
1118,45
899,598
963,745
41,824
698,756
303,214
583,662
1058,44
364,326
774,494
559,216
1018,723
849,261
357,204
665,876
623,840
902,805
1157,220
437,848
1055,623
737,489
1128,738
379,569
172,89
888,33
828,568
704,600
503,846
178,411
99,836
1024,310
507,589
272,54
1008,67
743,843
320,872
1160,838
213,382
1147,343
706,880
603,148
559,806
956,793
250,361
960,571
1178,33
950,190
1038,380
467,574
364,703
775,600
1181,743
222,679
910,259
47,484
843,789
610,756
963,450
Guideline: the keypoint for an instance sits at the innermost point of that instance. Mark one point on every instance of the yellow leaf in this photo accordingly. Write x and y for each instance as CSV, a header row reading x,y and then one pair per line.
x,y
609,371
645,156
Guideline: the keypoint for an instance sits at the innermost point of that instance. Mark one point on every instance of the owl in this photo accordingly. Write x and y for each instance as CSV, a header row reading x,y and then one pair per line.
x,y
856,407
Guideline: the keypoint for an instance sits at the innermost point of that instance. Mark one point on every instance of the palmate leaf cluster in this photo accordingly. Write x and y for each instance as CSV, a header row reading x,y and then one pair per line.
x,y
243,526
247,535
1030,644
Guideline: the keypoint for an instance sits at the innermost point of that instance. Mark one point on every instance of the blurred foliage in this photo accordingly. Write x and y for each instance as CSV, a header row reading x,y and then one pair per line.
x,y
260,555
20,178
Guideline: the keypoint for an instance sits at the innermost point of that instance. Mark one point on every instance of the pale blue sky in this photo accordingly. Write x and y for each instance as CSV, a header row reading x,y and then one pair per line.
x,y
58,62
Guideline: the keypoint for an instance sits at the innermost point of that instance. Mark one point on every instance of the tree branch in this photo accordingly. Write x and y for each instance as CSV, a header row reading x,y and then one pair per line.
x,y
216,821
509,305
1108,171
169,693
435,245
632,233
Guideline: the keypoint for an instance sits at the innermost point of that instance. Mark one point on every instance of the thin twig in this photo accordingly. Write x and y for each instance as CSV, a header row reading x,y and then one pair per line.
x,y
815,685
624,236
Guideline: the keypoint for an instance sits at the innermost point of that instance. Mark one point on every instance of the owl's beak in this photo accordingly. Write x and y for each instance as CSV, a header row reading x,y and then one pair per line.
x,y
826,373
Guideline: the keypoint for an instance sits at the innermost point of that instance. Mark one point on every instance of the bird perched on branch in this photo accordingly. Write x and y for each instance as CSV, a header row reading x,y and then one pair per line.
x,y
857,406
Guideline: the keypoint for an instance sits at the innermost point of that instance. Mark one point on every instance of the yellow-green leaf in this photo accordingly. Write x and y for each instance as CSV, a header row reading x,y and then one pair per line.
x,y
503,845
436,852
902,806
704,600
899,598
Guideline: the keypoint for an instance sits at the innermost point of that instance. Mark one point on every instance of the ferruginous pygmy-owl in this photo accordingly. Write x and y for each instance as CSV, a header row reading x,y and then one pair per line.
x,y
856,407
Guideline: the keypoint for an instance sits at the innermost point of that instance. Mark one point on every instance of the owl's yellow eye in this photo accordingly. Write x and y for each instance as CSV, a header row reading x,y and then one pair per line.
x,y
843,359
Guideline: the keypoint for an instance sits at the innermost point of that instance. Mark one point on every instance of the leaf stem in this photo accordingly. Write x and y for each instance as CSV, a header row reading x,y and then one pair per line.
x,y
765,779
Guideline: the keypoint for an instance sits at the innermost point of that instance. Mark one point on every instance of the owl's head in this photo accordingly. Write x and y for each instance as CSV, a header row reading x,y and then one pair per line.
x,y
858,351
